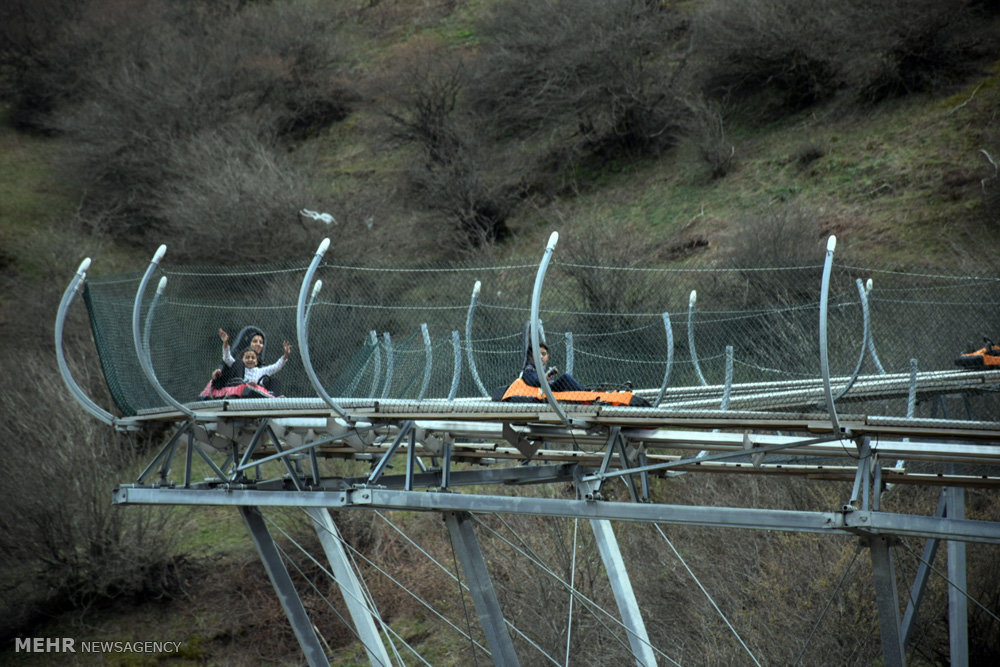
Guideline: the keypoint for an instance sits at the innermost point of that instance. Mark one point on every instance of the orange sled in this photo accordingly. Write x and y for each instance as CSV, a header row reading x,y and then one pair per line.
x,y
521,392
987,357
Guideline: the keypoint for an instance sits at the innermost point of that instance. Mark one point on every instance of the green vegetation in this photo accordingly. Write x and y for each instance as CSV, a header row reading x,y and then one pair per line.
x,y
667,132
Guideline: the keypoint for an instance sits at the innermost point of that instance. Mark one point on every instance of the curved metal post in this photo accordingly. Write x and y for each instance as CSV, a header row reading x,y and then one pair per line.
x,y
302,327
377,372
911,397
824,354
81,397
569,352
694,354
456,345
670,358
866,336
468,340
317,286
144,361
871,339
536,337
390,362
162,285
911,402
428,354
728,387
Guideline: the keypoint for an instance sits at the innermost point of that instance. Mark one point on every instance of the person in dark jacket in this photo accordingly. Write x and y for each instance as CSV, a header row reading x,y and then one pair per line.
x,y
249,338
564,382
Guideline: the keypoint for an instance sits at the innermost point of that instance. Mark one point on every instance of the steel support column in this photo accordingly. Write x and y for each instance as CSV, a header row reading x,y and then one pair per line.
x,y
621,585
282,582
463,539
958,608
887,599
350,586
921,577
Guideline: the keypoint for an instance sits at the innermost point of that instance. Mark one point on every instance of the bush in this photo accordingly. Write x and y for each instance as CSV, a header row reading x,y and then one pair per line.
x,y
770,48
154,81
458,174
63,542
707,131
590,72
785,235
782,58
37,69
233,198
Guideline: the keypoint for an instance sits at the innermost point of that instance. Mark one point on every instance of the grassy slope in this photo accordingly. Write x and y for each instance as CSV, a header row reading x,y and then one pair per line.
x,y
899,187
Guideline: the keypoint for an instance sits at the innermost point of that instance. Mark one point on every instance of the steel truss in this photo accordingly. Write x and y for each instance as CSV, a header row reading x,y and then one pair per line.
x,y
526,454
477,442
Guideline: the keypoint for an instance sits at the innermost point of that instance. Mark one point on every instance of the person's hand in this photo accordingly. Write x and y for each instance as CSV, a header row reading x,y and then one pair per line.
x,y
288,348
552,371
216,374
225,338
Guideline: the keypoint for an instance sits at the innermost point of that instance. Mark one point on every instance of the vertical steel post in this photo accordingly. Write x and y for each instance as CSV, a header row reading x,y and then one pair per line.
x,y
282,582
463,539
621,585
887,599
350,585
921,577
958,608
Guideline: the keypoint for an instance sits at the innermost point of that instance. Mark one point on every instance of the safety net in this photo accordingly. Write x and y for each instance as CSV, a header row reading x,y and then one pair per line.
x,y
692,338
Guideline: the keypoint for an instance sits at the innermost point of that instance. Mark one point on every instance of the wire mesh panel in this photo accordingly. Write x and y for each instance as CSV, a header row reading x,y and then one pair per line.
x,y
738,338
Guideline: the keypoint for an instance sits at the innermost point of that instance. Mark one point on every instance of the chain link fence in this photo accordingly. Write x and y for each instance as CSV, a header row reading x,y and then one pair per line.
x,y
700,338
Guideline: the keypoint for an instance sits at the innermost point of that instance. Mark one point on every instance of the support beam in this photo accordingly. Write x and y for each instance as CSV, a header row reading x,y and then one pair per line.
x,y
958,608
858,522
282,582
920,580
621,585
887,598
463,539
350,586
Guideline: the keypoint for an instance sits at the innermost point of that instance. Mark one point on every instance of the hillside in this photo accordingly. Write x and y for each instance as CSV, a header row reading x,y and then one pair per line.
x,y
906,181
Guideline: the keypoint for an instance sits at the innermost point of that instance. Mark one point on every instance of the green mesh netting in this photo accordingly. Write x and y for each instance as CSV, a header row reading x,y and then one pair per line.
x,y
604,324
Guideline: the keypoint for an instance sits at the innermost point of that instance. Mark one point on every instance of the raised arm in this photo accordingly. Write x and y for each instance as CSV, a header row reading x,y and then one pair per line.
x,y
227,355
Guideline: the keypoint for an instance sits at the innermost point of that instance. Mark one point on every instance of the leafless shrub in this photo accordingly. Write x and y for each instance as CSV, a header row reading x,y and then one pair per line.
x,y
786,59
806,154
914,47
164,79
707,130
770,47
458,175
233,198
38,67
591,71
602,243
783,236
62,541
